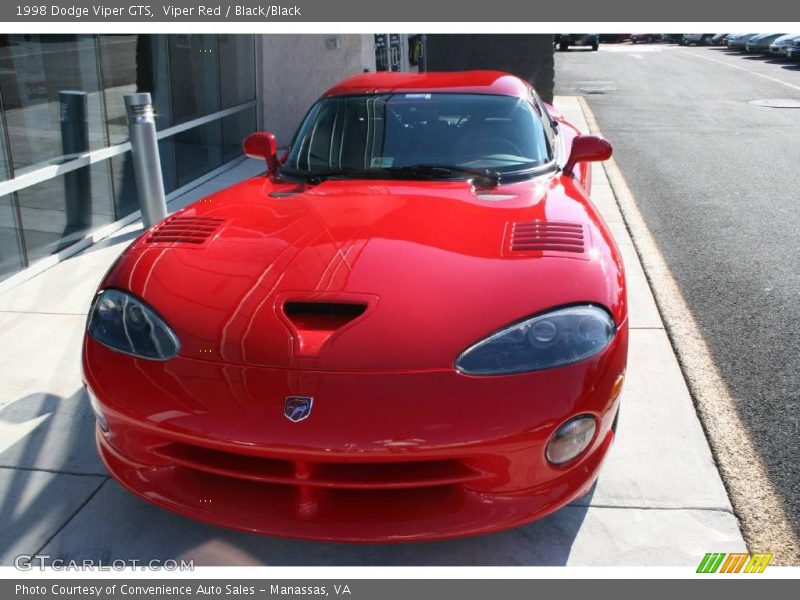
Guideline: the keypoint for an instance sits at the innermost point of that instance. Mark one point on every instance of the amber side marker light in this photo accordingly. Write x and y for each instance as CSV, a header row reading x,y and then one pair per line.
x,y
616,389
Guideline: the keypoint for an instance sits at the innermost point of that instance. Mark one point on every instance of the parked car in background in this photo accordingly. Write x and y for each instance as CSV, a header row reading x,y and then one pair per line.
x,y
781,45
719,39
647,38
759,44
672,38
614,38
697,39
565,40
738,41
793,51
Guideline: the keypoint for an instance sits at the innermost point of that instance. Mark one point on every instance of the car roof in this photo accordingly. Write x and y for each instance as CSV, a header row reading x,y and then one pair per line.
x,y
472,82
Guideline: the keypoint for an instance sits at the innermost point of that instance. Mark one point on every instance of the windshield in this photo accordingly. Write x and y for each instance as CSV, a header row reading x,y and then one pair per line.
x,y
386,134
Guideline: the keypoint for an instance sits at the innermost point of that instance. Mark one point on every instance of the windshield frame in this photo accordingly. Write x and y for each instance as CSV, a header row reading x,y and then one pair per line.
x,y
502,175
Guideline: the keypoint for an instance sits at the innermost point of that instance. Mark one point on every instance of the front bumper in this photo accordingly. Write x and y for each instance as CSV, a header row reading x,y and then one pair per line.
x,y
393,456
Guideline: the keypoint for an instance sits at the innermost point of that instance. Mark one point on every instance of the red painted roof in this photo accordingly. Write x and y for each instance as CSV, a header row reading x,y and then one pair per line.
x,y
475,82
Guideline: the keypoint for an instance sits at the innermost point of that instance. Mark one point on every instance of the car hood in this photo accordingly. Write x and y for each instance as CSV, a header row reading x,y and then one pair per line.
x,y
369,275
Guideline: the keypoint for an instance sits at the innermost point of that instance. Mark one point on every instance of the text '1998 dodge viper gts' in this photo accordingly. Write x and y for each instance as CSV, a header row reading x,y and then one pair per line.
x,y
412,326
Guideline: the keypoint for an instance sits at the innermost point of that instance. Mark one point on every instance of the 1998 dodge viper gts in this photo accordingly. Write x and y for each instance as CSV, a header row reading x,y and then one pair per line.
x,y
412,326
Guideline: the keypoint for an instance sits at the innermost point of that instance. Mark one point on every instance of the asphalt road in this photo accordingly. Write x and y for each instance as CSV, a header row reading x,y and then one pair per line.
x,y
716,179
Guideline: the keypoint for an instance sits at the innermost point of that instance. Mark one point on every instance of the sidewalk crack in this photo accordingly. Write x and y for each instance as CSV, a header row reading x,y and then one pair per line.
x,y
54,471
643,507
71,517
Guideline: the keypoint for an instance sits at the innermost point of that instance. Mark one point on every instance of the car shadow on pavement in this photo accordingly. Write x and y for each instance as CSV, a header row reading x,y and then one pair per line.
x,y
91,517
116,525
48,468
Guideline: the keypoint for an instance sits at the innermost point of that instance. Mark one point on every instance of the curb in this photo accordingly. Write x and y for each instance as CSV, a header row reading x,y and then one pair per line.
x,y
756,504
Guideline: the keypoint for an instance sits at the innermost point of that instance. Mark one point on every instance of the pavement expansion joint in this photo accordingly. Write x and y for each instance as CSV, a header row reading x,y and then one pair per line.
x,y
88,499
54,471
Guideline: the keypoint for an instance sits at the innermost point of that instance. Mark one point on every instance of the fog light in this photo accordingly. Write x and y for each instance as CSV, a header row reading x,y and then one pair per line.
x,y
98,413
569,440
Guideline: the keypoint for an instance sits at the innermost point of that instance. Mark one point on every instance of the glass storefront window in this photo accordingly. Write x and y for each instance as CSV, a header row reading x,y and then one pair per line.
x,y
58,212
235,128
125,198
134,63
194,76
34,72
63,96
11,258
198,151
5,172
237,68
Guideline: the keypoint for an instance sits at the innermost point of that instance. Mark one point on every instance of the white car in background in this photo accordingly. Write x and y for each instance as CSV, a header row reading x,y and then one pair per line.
x,y
780,46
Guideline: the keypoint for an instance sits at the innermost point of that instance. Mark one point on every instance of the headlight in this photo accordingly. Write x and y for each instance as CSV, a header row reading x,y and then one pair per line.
x,y
125,323
553,339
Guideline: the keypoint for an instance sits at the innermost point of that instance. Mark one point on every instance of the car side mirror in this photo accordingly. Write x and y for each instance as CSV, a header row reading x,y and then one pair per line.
x,y
587,148
262,144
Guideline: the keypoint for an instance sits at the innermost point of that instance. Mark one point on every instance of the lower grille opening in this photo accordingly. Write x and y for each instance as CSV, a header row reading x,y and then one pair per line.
x,y
334,475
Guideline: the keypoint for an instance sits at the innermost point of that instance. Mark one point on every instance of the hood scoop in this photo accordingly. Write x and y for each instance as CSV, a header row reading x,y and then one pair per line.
x,y
545,238
181,229
313,323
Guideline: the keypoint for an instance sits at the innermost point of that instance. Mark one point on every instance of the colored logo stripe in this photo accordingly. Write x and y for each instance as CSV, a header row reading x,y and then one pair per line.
x,y
734,562
711,562
758,563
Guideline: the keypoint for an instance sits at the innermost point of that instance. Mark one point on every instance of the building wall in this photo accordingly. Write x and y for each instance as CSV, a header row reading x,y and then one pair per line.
x,y
527,56
297,69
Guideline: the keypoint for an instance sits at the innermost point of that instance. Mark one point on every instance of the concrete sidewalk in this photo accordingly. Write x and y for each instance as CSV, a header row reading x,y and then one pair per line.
x,y
659,499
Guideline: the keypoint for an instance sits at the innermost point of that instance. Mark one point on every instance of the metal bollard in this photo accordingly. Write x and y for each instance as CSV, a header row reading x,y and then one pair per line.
x,y
75,140
146,160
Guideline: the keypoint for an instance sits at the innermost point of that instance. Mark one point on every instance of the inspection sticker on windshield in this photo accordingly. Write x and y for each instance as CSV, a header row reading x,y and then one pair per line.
x,y
418,96
379,162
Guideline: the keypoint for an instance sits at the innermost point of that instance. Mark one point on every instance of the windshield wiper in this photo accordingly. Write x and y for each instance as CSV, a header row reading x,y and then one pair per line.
x,y
306,176
431,170
435,170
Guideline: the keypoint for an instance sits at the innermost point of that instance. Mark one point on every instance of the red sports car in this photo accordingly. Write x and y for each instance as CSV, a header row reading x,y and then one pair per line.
x,y
412,326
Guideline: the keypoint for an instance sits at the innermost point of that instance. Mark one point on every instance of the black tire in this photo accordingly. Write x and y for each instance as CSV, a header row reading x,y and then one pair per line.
x,y
563,46
615,423
595,46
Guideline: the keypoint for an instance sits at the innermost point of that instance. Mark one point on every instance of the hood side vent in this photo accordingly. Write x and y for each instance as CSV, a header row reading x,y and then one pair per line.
x,y
185,230
545,238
